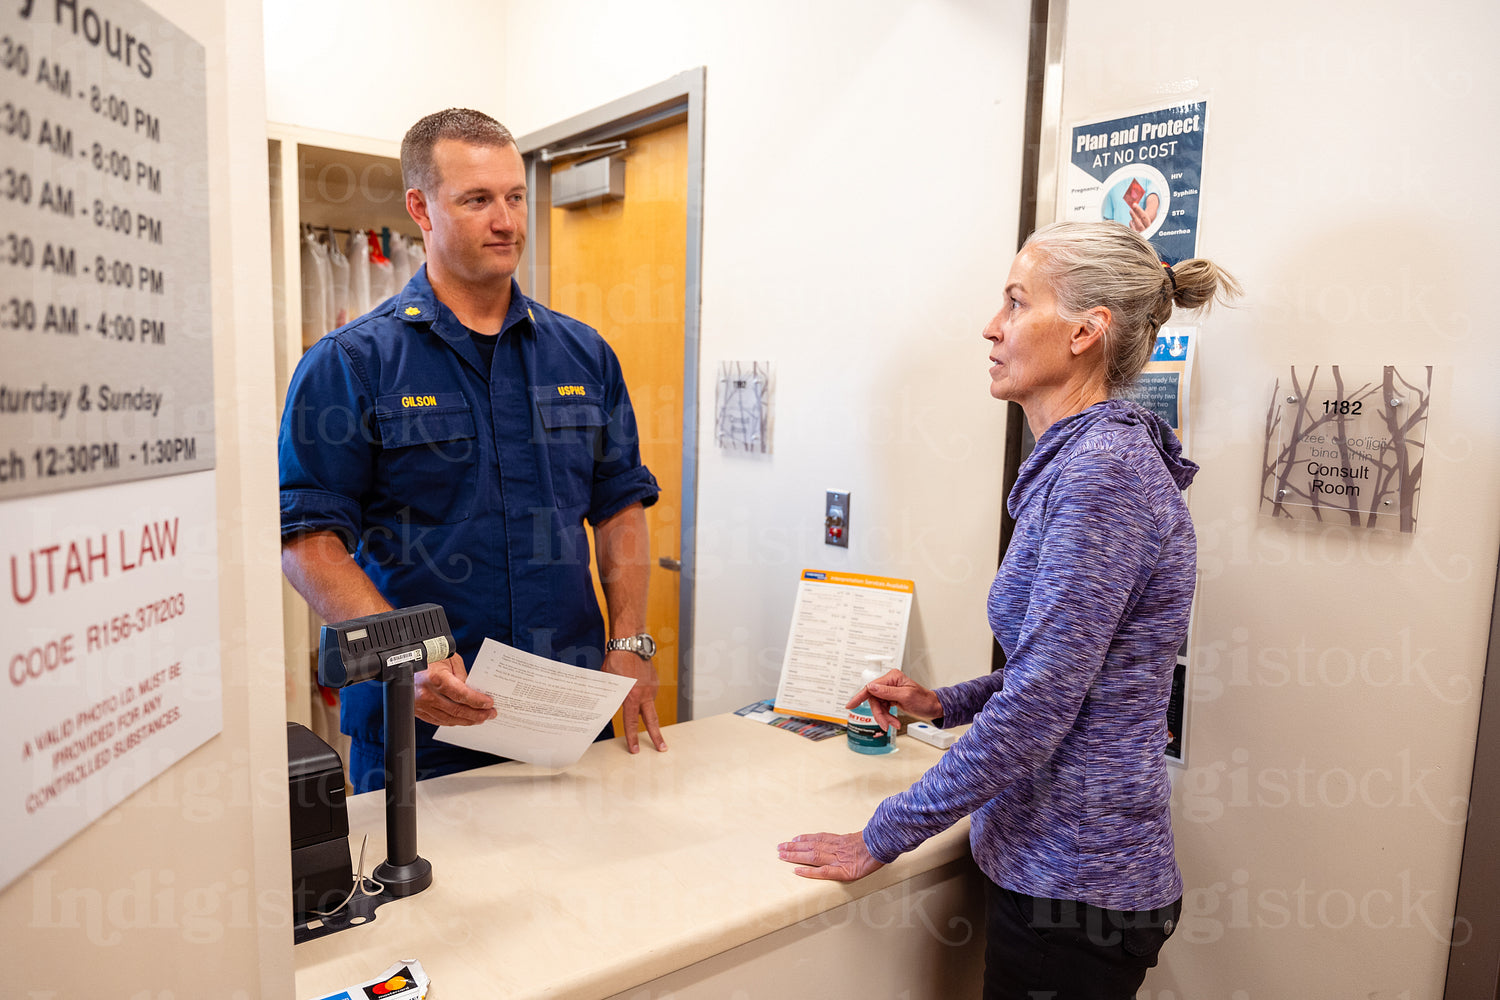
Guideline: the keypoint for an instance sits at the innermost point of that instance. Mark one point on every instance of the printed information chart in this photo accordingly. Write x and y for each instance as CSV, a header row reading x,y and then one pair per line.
x,y
843,625
104,248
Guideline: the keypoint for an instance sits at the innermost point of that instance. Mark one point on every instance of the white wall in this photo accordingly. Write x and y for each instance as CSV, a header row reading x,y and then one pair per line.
x,y
861,168
184,888
1321,820
373,67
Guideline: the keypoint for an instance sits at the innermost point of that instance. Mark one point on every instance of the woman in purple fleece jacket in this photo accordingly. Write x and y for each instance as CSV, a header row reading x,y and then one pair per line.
x,y
1062,769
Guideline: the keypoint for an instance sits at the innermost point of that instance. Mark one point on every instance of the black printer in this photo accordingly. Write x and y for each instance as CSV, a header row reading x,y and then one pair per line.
x,y
321,871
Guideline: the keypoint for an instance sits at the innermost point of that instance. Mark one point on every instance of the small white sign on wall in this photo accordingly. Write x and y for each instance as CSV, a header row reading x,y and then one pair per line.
x,y
743,396
109,633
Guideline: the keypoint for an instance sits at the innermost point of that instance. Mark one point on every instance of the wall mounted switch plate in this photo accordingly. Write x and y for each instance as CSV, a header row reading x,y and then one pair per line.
x,y
836,519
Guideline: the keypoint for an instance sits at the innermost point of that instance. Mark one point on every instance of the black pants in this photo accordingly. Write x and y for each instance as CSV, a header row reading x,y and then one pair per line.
x,y
1058,949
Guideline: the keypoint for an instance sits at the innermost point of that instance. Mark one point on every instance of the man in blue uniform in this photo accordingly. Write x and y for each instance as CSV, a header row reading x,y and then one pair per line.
x,y
448,447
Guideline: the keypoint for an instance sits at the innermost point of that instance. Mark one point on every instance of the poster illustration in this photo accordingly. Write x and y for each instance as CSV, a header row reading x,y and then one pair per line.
x,y
1162,387
1143,171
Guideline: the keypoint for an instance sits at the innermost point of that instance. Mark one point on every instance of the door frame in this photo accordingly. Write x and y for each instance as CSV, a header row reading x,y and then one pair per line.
x,y
1474,942
672,98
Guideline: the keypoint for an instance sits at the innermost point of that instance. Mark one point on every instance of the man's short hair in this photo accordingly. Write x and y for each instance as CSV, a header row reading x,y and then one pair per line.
x,y
461,124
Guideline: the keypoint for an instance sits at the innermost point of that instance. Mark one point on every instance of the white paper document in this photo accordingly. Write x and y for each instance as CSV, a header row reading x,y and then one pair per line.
x,y
546,712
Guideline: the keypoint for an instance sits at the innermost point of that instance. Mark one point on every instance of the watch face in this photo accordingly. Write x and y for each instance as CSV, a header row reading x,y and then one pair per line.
x,y
641,645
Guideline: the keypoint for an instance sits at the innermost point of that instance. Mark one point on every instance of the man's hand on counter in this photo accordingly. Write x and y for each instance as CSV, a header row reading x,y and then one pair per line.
x,y
443,698
840,857
640,703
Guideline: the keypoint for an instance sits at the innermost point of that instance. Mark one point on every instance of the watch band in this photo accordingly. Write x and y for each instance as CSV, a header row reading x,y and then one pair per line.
x,y
641,645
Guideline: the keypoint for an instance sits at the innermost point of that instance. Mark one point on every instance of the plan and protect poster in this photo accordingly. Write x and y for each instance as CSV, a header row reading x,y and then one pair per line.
x,y
1144,171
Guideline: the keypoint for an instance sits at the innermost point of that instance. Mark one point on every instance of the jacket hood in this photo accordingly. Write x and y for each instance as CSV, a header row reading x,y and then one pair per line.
x,y
1061,435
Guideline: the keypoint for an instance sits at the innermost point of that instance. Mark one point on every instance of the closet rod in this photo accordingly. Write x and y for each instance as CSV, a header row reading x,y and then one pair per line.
x,y
316,228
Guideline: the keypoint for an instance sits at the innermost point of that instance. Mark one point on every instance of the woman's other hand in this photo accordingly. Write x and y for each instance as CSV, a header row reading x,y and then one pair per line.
x,y
839,857
895,688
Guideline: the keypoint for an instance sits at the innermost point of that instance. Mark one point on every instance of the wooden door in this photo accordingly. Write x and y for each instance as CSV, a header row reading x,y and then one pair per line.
x,y
620,267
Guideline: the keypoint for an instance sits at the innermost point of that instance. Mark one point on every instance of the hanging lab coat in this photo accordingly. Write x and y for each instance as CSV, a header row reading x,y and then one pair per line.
x,y
400,262
338,264
382,273
359,274
317,291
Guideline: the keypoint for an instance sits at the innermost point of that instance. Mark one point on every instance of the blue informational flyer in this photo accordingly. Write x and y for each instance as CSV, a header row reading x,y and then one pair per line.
x,y
1163,386
1144,171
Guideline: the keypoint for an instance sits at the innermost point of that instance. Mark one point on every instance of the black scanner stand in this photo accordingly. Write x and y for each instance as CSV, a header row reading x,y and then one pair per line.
x,y
390,647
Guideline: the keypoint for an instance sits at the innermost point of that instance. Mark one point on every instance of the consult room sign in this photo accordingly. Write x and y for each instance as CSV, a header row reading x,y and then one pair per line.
x,y
109,625
1344,445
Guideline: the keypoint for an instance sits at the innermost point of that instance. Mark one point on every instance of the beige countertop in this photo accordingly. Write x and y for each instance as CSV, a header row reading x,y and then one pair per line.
x,y
618,870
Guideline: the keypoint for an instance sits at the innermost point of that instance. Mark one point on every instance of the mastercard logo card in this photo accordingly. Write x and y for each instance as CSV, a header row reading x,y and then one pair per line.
x,y
401,984
405,981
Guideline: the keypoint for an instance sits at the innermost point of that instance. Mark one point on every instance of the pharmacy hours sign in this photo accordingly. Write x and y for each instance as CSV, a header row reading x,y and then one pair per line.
x,y
104,249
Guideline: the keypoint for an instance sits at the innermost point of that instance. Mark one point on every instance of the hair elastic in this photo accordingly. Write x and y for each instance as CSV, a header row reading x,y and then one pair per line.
x,y
1170,276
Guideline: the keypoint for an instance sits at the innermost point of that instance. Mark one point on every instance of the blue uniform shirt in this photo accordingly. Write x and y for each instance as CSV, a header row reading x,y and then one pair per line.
x,y
459,485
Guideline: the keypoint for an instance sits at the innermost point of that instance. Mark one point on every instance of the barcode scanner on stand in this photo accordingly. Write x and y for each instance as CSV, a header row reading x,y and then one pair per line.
x,y
389,647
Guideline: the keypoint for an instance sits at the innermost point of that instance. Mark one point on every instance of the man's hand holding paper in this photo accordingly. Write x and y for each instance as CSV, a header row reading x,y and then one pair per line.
x,y
546,713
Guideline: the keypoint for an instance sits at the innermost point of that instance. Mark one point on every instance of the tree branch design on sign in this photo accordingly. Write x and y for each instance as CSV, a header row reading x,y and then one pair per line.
x,y
1346,449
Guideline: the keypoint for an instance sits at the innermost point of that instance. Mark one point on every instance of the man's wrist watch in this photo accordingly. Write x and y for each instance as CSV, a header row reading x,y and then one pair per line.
x,y
641,645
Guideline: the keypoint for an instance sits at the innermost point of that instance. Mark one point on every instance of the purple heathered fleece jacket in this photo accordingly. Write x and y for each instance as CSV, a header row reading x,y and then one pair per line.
x,y
1062,768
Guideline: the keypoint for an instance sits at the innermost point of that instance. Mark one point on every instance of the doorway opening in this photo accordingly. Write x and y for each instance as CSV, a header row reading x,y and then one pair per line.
x,y
619,248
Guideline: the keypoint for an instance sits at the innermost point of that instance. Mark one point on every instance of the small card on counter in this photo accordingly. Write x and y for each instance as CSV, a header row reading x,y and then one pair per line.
x,y
812,729
403,981
546,712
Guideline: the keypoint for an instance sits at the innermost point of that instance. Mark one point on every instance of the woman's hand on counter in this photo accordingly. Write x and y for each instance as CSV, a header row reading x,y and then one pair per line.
x,y
895,688
839,857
